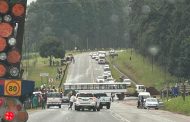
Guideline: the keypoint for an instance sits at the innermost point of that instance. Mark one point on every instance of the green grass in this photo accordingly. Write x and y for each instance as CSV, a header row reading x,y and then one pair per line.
x,y
37,65
115,73
178,105
139,69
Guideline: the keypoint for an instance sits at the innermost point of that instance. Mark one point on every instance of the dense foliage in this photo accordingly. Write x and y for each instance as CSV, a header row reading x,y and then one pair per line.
x,y
82,23
157,29
51,47
164,25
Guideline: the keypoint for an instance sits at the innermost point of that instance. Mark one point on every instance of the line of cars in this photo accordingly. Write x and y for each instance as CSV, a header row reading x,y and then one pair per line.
x,y
99,56
106,77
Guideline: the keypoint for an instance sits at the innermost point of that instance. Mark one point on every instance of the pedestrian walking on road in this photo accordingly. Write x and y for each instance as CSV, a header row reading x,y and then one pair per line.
x,y
112,96
72,100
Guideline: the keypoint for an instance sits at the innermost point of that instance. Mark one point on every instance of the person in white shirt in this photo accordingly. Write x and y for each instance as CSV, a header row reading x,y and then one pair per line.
x,y
72,100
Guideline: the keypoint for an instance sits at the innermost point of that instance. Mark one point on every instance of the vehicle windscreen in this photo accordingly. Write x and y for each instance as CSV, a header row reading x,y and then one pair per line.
x,y
141,87
152,100
144,96
100,95
85,95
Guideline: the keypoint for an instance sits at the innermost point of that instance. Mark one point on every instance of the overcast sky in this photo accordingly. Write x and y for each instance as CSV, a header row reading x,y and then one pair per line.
x,y
29,1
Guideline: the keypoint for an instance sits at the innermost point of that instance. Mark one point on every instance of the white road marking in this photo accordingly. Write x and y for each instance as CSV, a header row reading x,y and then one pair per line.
x,y
118,117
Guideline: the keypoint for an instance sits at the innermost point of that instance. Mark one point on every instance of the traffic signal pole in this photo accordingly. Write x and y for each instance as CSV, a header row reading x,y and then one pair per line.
x,y
12,87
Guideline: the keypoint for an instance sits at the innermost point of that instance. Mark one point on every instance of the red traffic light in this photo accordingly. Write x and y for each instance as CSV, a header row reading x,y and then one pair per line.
x,y
5,29
9,116
18,10
3,70
13,56
12,18
3,44
4,7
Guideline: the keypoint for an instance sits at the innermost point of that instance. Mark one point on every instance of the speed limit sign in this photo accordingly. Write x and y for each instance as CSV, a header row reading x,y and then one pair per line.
x,y
12,88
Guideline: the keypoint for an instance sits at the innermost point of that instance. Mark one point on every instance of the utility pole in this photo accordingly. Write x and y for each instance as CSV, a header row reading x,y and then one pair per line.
x,y
87,43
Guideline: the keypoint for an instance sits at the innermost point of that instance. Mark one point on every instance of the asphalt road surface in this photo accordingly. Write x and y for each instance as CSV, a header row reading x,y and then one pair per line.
x,y
86,70
120,111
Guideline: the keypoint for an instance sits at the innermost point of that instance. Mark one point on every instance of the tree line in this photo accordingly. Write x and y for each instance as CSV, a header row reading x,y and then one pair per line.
x,y
158,29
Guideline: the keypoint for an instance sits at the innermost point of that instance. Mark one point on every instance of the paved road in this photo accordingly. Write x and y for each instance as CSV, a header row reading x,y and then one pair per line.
x,y
85,70
121,111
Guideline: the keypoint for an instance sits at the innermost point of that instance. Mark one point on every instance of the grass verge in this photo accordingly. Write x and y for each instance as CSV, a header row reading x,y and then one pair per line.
x,y
139,69
177,105
36,65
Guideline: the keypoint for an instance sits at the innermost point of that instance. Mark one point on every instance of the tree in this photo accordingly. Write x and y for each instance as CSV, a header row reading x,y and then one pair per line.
x,y
52,47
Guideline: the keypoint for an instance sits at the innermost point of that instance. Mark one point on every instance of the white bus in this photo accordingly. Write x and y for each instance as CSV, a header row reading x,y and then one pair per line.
x,y
117,87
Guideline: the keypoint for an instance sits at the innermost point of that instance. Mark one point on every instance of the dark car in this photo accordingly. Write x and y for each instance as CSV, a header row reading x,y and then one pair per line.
x,y
65,100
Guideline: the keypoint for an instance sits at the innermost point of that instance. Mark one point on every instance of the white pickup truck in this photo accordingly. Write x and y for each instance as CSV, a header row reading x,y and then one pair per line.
x,y
103,99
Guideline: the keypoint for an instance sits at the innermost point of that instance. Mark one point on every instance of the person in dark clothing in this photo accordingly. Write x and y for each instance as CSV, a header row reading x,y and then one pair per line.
x,y
138,103
142,101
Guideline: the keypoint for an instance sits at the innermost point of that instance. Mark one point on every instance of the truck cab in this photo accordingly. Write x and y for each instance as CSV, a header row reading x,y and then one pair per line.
x,y
140,88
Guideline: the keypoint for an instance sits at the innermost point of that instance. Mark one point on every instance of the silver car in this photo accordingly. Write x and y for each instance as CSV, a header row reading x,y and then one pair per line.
x,y
151,103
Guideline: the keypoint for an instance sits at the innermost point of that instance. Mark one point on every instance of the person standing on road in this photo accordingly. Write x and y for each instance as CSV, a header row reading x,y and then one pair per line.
x,y
73,59
44,99
112,96
72,100
142,101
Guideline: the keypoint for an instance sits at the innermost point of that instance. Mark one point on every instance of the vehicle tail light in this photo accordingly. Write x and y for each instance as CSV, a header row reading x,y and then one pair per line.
x,y
9,116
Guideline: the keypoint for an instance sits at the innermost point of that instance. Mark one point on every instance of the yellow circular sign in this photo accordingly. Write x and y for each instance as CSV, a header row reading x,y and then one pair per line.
x,y
13,88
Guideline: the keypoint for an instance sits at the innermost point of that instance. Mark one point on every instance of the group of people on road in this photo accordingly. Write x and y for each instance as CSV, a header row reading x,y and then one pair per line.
x,y
39,100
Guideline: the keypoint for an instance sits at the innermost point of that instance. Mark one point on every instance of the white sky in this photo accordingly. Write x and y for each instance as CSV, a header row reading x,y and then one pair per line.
x,y
29,1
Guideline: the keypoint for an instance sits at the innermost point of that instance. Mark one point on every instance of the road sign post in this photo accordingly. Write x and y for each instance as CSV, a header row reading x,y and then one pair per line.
x,y
42,75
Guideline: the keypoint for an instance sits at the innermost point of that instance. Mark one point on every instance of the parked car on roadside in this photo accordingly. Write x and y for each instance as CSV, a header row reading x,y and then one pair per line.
x,y
151,103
